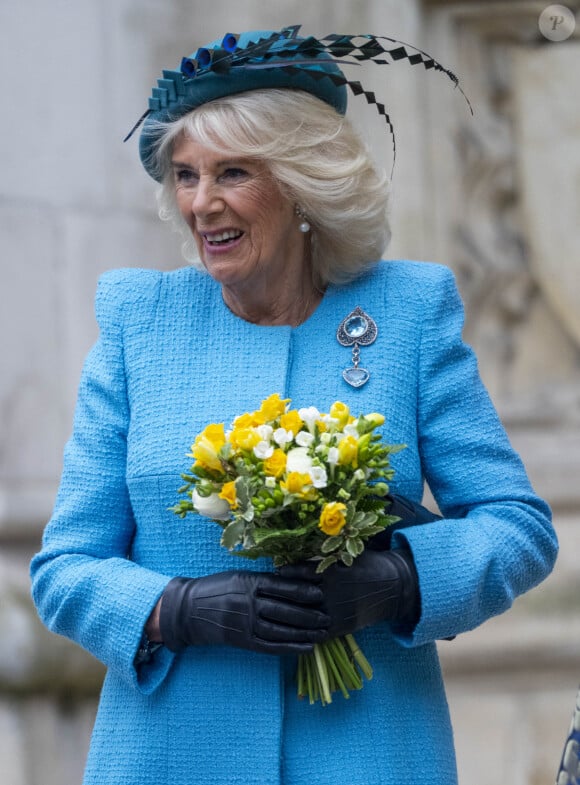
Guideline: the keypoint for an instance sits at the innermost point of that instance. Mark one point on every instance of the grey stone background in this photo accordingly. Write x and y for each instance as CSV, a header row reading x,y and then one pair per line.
x,y
496,197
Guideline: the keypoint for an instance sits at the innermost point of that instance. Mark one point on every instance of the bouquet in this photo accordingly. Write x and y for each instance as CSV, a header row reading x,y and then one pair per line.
x,y
291,485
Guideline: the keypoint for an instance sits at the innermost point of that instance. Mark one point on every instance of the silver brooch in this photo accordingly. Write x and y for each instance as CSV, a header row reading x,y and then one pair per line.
x,y
356,330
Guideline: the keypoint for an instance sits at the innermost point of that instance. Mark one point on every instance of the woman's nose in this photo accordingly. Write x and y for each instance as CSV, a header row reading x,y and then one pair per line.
x,y
207,198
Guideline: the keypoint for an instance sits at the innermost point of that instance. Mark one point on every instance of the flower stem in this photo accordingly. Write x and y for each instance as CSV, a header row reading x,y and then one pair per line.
x,y
360,658
322,674
334,670
332,666
348,669
309,682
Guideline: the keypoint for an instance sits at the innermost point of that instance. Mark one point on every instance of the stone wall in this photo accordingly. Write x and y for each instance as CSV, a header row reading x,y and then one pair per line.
x,y
495,196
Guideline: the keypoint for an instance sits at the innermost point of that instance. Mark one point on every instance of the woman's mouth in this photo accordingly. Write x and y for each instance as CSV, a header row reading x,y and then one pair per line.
x,y
222,239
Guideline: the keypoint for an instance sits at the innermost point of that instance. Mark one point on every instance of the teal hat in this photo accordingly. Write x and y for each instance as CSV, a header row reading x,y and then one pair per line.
x,y
262,59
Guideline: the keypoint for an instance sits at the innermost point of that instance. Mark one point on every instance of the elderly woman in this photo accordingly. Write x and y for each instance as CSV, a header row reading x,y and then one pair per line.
x,y
285,214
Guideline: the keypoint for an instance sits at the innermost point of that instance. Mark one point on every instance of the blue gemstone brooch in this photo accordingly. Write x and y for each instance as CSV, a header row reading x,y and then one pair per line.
x,y
356,330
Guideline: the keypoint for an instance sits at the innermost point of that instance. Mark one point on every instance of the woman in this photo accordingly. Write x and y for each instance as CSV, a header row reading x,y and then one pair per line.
x,y
287,215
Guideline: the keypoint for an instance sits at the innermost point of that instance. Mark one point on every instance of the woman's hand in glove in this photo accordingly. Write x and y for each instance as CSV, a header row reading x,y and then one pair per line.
x,y
379,586
258,611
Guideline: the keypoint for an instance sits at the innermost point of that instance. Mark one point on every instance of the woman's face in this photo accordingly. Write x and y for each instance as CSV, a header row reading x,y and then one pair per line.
x,y
245,230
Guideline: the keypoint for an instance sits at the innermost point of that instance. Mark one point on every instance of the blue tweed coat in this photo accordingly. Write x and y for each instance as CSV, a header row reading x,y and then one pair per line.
x,y
171,358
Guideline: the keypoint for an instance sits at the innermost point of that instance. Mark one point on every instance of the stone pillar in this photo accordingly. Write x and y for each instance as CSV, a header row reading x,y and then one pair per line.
x,y
503,216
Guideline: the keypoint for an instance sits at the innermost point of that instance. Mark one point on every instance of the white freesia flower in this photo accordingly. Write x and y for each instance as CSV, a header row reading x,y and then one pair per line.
x,y
325,437
332,457
309,416
304,439
318,476
298,460
211,506
282,437
270,482
265,432
263,450
351,430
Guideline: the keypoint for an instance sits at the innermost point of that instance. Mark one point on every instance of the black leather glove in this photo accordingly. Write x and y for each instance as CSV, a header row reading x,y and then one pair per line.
x,y
409,514
258,611
380,585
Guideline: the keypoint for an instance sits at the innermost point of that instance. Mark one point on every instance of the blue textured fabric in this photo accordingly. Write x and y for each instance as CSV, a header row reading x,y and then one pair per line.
x,y
170,359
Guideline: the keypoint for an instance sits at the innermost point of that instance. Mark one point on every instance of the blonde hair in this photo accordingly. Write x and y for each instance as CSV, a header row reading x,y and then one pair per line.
x,y
319,162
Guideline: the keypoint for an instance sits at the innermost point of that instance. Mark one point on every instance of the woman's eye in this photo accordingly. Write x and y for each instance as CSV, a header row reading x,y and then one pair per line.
x,y
234,173
184,176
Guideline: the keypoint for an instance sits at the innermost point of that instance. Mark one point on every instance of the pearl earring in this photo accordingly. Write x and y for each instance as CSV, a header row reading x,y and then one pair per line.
x,y
304,225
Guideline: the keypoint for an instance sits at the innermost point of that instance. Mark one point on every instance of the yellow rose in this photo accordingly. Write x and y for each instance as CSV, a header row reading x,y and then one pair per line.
x,y
244,438
273,406
332,518
340,411
258,418
205,454
348,452
244,421
291,421
298,484
215,434
228,492
275,464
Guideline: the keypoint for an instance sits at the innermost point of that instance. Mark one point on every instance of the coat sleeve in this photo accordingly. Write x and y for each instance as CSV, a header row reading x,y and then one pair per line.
x,y
83,583
496,539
